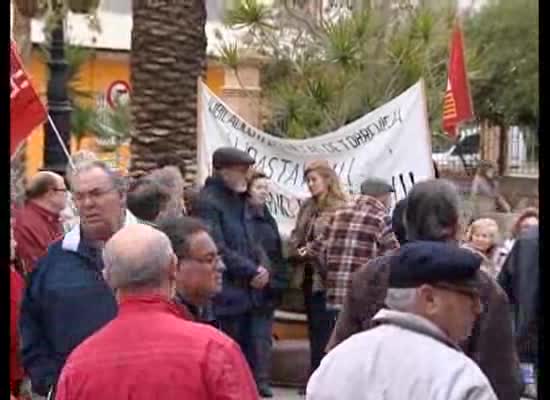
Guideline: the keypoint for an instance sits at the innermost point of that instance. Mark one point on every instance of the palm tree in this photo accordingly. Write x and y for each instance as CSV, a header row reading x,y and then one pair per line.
x,y
168,56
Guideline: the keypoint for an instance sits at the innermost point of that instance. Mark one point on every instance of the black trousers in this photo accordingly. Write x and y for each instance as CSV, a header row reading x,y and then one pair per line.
x,y
320,324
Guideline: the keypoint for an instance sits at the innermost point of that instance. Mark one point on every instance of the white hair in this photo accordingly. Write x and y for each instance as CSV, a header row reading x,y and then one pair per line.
x,y
143,268
401,299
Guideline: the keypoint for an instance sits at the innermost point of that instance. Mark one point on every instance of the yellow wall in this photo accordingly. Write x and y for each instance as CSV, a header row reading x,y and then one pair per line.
x,y
96,76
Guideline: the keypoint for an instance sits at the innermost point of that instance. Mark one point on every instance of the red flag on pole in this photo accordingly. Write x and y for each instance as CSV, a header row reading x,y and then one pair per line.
x,y
457,105
26,109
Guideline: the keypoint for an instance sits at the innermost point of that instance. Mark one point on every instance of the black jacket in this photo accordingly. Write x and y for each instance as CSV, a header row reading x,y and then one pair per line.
x,y
519,278
269,253
223,211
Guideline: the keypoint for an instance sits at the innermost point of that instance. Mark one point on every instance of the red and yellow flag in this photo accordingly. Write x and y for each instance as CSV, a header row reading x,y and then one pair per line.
x,y
457,104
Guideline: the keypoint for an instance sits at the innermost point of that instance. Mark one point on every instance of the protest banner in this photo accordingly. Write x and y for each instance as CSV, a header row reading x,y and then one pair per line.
x,y
392,142
26,109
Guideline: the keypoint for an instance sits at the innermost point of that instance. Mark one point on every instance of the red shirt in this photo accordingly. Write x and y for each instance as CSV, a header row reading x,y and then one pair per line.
x,y
35,229
17,285
150,351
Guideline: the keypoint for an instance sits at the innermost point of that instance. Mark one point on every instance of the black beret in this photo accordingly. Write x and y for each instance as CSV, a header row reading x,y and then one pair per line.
x,y
423,262
375,187
228,156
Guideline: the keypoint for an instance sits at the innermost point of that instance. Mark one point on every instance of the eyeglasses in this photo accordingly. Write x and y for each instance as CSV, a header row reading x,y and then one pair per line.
x,y
93,194
64,190
209,259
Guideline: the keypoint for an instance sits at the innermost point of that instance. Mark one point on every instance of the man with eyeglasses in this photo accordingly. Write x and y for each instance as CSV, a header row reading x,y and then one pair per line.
x,y
200,268
37,223
413,351
432,213
67,298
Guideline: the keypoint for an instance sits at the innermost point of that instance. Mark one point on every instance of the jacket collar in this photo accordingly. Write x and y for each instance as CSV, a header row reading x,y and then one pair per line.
x,y
46,214
193,310
72,240
152,302
414,323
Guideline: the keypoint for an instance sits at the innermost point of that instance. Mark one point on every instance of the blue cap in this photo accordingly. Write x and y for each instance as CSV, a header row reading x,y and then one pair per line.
x,y
436,263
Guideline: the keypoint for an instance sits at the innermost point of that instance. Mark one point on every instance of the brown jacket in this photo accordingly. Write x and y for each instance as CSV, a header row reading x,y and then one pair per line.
x,y
491,345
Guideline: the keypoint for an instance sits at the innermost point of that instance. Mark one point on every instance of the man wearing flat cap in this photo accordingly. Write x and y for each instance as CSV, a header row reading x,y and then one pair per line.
x,y
379,189
354,235
432,213
220,205
413,352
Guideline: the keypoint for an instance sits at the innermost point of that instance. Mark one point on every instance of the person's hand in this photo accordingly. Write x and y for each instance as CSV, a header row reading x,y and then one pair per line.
x,y
261,279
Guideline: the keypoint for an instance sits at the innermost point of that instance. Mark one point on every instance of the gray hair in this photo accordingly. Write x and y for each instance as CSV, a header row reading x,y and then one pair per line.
x,y
433,211
119,181
139,269
401,299
170,177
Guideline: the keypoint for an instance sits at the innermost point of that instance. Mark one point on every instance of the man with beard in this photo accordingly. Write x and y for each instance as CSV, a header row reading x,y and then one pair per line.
x,y
67,298
221,205
432,213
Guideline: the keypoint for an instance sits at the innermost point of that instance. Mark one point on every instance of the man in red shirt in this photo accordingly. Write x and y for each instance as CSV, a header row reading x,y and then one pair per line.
x,y
151,350
37,223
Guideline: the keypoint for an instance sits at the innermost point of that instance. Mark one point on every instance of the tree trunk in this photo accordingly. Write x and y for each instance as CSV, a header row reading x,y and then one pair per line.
x,y
168,55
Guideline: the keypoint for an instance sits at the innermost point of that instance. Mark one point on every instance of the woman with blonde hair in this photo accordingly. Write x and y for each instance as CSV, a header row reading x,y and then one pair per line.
x,y
482,238
327,195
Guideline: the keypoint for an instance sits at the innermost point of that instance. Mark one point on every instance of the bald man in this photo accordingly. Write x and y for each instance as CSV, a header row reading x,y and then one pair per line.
x,y
37,223
151,350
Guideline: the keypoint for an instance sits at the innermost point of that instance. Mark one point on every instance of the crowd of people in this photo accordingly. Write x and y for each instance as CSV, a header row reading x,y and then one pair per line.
x,y
145,289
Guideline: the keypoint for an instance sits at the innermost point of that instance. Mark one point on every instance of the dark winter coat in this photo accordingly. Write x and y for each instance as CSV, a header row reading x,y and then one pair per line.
x,y
268,245
66,301
519,278
491,345
224,212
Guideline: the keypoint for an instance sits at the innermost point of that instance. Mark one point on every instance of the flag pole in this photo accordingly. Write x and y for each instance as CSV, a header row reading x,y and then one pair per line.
x,y
60,140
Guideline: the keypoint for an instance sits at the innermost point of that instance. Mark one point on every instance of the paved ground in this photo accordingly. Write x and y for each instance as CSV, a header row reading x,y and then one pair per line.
x,y
287,394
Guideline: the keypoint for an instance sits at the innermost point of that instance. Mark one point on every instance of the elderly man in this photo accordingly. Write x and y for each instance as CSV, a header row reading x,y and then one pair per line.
x,y
221,206
38,223
67,299
413,352
354,235
150,351
199,276
379,189
432,213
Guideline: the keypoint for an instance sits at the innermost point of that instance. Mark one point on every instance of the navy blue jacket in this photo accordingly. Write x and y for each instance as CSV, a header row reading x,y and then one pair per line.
x,y
66,301
267,241
223,211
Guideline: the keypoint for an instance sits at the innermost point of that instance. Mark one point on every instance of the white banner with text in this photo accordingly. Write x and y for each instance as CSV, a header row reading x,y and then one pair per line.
x,y
392,142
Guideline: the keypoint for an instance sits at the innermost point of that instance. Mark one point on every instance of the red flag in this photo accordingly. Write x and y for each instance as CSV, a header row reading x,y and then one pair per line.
x,y
26,109
457,105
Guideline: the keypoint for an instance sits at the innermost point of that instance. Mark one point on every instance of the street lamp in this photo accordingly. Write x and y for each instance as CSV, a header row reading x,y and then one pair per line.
x,y
59,105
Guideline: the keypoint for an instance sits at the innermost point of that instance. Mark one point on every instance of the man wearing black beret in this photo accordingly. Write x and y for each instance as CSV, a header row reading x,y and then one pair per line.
x,y
413,352
432,213
220,204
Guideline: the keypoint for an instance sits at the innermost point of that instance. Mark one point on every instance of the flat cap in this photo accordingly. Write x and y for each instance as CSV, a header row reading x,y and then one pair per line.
x,y
375,187
228,156
436,263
